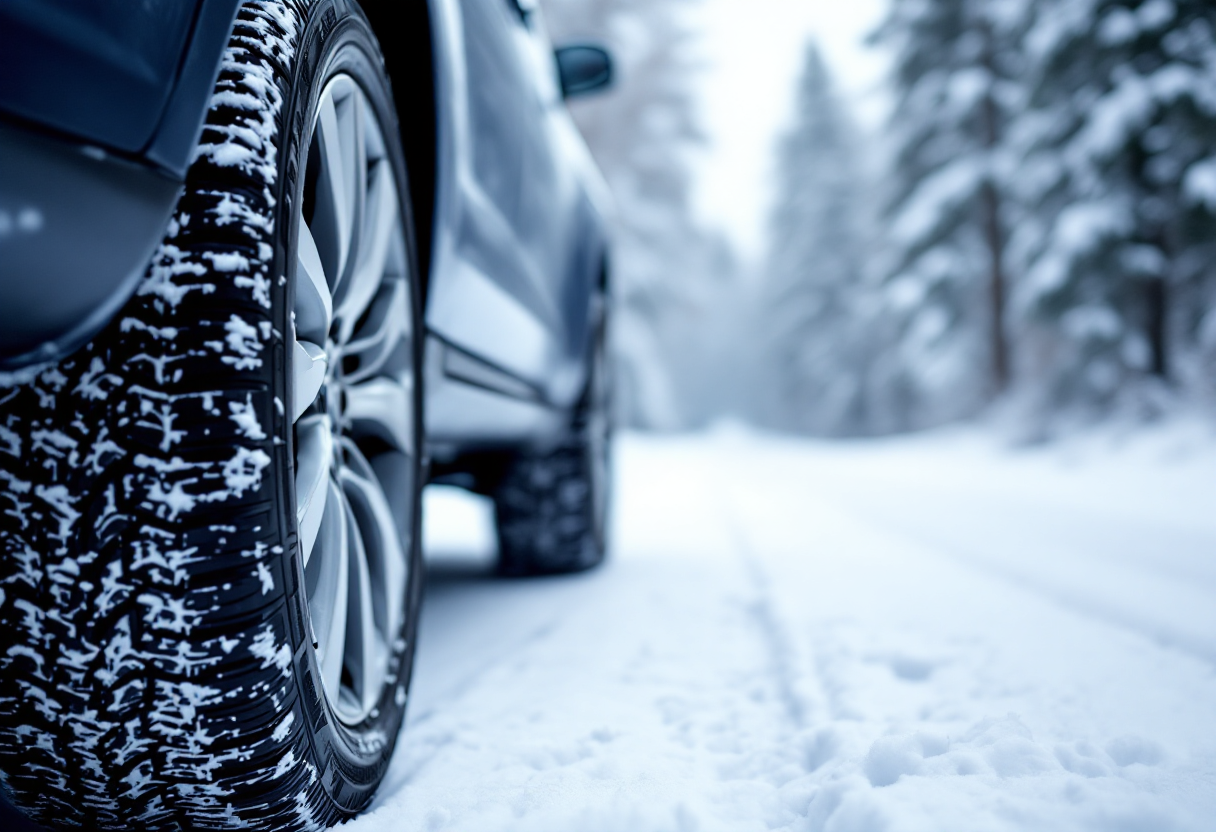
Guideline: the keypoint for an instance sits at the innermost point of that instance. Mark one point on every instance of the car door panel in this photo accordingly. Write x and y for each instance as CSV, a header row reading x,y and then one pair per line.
x,y
488,295
558,221
516,234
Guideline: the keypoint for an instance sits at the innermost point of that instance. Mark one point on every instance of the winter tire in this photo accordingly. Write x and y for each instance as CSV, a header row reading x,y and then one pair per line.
x,y
210,576
551,506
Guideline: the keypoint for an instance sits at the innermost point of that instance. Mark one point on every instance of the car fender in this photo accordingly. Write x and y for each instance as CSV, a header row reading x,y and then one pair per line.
x,y
98,126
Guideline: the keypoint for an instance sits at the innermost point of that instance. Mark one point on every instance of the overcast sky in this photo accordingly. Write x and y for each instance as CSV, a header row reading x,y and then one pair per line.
x,y
754,50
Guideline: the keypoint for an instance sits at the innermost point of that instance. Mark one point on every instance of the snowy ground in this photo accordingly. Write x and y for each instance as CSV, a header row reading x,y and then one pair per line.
x,y
919,634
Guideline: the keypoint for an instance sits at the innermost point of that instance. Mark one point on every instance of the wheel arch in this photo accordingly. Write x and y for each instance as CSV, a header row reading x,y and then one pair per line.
x,y
407,41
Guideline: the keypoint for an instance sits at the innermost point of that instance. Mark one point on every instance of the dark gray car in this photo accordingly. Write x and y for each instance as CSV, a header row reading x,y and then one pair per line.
x,y
267,268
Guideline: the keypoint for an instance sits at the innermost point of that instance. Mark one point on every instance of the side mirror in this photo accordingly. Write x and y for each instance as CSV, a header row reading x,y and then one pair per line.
x,y
583,68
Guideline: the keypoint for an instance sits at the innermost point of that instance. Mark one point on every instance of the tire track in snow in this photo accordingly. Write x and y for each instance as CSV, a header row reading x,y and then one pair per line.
x,y
1074,600
772,630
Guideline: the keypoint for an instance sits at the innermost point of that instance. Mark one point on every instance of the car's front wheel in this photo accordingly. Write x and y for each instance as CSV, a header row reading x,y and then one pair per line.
x,y
210,581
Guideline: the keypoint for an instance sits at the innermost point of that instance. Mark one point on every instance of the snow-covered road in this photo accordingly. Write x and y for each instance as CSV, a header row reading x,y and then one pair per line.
x,y
921,634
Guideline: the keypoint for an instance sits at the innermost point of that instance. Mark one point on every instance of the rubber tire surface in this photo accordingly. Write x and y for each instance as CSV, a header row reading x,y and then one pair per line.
x,y
155,668
551,507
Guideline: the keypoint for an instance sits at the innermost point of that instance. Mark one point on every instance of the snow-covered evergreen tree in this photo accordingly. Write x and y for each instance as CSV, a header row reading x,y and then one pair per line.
x,y
1120,173
956,74
816,306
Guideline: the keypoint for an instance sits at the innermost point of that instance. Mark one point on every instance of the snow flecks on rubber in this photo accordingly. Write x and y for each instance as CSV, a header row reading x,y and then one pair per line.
x,y
114,590
283,730
171,497
62,504
243,472
102,451
259,286
235,208
53,442
227,261
96,384
286,763
14,485
304,811
22,376
168,613
245,415
177,706
160,418
265,578
56,446
169,265
173,562
241,346
171,502
17,508
266,647
10,442
248,89
161,333
159,364
163,466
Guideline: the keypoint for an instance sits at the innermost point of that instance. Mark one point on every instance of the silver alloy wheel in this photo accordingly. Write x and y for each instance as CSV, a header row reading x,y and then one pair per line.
x,y
352,400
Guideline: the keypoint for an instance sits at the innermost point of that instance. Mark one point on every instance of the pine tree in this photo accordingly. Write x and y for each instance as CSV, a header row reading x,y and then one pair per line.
x,y
817,266
1121,176
956,70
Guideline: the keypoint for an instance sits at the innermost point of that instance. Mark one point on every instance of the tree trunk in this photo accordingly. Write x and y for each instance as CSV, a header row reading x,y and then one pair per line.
x,y
1163,237
994,240
1155,301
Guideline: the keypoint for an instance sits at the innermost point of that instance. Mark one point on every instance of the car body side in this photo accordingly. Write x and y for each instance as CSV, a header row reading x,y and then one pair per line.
x,y
509,208
518,248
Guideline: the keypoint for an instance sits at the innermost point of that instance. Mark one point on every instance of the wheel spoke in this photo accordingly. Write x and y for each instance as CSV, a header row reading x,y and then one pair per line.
x,y
350,111
379,224
384,547
309,366
331,226
313,305
379,339
373,140
329,603
320,573
314,456
382,408
362,658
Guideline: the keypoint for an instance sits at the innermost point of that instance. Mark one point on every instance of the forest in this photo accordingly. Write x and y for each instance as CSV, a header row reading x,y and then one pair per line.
x,y
1031,232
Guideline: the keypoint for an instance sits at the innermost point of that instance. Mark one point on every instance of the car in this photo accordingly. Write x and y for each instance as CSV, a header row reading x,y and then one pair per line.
x,y
267,268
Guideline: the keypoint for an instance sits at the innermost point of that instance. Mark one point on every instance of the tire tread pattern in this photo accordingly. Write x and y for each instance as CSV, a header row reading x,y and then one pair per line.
x,y
147,632
545,513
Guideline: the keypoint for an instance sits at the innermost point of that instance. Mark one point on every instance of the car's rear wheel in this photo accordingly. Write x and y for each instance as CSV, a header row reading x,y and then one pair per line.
x,y
210,576
552,505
